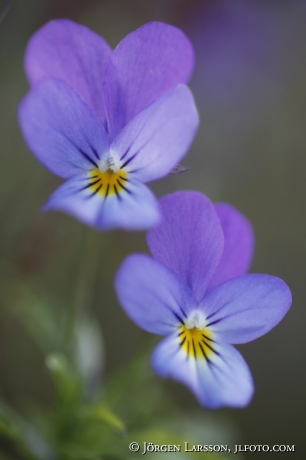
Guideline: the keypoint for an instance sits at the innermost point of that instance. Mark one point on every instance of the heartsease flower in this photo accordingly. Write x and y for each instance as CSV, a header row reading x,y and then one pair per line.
x,y
196,293
108,121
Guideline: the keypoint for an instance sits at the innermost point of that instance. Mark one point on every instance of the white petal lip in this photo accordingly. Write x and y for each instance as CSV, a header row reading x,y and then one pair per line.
x,y
223,380
136,209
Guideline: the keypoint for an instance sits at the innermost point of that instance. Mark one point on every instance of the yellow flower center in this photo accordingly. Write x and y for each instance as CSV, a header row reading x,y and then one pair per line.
x,y
107,182
197,343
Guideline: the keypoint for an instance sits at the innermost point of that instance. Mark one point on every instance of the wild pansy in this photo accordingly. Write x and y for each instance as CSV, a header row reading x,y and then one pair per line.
x,y
194,291
108,121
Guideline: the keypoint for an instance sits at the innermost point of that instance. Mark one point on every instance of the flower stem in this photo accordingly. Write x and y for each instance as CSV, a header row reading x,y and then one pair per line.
x,y
85,282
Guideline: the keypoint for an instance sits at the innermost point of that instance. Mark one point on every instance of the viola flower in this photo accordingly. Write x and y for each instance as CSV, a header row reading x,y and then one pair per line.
x,y
196,293
108,121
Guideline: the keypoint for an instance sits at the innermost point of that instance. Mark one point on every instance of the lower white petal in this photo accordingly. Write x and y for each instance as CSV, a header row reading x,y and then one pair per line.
x,y
225,380
131,206
218,377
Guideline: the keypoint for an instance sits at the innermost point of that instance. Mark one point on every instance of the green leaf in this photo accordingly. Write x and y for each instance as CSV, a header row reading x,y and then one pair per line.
x,y
105,415
66,380
24,439
42,316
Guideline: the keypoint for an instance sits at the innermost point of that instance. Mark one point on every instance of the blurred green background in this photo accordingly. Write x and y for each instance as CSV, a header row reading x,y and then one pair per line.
x,y
250,88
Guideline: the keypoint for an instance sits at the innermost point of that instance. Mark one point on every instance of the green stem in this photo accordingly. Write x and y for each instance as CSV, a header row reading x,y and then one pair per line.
x,y
86,280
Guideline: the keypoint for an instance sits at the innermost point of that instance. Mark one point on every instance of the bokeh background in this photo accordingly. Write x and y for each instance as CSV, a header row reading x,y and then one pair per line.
x,y
250,88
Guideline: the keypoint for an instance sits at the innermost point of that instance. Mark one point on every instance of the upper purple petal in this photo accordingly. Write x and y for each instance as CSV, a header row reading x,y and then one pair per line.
x,y
151,295
71,52
60,129
238,244
156,139
189,240
245,308
146,63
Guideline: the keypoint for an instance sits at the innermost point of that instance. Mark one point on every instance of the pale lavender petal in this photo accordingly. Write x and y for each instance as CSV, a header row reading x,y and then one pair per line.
x,y
222,380
70,52
169,360
189,240
61,130
74,198
146,63
238,244
245,308
159,136
134,209
151,295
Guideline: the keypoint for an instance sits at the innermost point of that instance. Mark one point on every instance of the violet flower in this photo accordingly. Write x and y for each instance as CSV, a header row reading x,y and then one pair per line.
x,y
194,291
108,121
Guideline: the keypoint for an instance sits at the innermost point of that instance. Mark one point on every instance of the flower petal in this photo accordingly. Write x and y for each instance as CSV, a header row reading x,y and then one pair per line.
x,y
151,295
60,129
159,136
169,360
245,308
70,52
146,63
135,208
224,380
189,240
238,244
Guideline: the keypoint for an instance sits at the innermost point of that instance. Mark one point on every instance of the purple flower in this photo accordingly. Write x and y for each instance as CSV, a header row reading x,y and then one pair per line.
x,y
194,291
108,121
